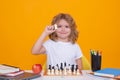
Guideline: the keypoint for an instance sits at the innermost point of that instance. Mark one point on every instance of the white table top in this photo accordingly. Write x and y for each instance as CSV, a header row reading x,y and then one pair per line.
x,y
85,76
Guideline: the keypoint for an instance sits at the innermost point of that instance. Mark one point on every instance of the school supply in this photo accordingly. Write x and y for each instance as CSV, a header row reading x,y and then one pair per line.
x,y
24,76
14,73
108,72
96,59
8,69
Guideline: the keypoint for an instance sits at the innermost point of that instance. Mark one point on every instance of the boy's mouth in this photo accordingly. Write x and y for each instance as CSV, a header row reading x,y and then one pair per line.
x,y
63,32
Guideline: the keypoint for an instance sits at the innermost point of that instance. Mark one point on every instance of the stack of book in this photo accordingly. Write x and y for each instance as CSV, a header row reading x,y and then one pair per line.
x,y
9,70
108,72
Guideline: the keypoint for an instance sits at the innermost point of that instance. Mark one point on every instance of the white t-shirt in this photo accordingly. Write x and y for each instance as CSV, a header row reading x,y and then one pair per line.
x,y
61,52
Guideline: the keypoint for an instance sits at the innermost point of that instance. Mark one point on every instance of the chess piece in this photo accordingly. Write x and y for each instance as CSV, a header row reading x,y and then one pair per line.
x,y
77,70
78,73
52,71
56,70
61,66
49,70
61,69
55,26
65,69
69,70
60,72
74,71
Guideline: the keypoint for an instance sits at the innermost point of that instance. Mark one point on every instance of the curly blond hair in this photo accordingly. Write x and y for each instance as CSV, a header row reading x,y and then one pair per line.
x,y
74,33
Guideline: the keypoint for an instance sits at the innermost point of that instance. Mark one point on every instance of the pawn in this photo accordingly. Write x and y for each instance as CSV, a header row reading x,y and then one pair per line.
x,y
78,72
69,70
65,71
60,72
52,71
74,72
48,72
56,71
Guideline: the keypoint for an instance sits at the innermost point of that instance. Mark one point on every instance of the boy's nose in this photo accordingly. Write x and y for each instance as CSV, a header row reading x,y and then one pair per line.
x,y
63,28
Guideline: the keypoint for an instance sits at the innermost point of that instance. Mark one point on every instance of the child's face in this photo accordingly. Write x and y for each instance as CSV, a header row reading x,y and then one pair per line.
x,y
63,30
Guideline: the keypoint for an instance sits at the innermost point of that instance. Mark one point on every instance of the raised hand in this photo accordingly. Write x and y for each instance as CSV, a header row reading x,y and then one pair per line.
x,y
49,29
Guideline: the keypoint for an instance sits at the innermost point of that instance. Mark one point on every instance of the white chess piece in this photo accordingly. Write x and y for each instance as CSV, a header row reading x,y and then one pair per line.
x,y
65,71
48,72
52,72
69,70
78,73
60,72
56,72
55,26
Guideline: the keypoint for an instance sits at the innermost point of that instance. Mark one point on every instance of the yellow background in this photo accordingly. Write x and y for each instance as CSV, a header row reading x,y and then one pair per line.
x,y
22,22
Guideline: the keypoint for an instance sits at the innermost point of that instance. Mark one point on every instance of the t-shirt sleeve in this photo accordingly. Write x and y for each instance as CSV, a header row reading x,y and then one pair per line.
x,y
78,52
47,45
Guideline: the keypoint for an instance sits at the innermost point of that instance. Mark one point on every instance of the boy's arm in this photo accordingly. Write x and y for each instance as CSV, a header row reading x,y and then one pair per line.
x,y
79,63
38,46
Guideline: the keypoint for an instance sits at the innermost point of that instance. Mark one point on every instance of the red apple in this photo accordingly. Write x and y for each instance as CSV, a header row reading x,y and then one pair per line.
x,y
37,68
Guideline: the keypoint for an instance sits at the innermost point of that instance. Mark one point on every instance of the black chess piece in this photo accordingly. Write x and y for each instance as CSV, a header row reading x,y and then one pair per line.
x,y
72,68
61,66
49,67
76,67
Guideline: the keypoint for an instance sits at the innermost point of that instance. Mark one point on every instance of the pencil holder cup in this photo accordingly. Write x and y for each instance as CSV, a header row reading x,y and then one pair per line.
x,y
96,59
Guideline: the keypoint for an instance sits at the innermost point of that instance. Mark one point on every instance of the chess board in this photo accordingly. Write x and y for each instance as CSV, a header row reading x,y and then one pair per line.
x,y
85,76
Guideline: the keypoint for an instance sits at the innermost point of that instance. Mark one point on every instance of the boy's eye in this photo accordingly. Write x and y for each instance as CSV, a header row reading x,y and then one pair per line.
x,y
59,26
67,26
